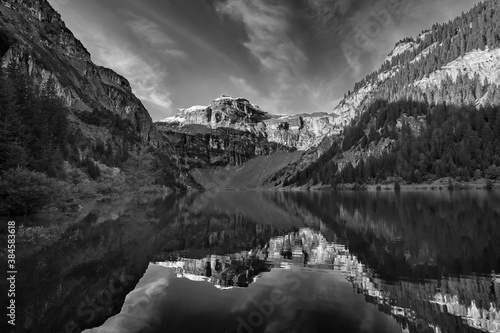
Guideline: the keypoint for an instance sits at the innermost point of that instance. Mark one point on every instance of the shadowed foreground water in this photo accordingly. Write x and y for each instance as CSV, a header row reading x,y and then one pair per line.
x,y
266,262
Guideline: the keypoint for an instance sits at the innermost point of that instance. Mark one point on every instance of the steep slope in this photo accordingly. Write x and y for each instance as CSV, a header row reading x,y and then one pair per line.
x,y
412,117
259,172
64,117
33,36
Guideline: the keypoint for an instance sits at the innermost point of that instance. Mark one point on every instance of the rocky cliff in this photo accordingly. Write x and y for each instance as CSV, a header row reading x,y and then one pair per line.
x,y
254,146
301,132
33,36
199,146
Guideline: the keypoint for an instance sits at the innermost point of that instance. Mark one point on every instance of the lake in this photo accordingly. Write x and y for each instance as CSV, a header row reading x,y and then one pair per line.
x,y
424,261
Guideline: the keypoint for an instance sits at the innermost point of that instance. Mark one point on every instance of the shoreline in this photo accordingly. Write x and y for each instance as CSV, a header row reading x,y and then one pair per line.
x,y
436,185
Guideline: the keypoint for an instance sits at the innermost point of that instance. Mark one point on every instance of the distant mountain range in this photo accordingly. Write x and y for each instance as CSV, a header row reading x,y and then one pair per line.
x,y
411,119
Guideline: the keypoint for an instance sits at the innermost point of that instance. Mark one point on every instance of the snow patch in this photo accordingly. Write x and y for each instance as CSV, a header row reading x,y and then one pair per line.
x,y
223,98
194,108
174,119
302,131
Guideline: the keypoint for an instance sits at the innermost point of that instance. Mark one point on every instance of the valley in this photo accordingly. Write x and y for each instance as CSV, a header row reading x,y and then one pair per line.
x,y
404,122
142,202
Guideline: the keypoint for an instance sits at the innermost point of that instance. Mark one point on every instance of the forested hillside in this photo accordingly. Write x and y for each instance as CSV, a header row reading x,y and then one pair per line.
x,y
432,111
46,158
478,29
69,129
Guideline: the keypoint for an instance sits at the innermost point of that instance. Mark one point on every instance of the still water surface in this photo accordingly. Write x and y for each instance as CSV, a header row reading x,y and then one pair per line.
x,y
265,262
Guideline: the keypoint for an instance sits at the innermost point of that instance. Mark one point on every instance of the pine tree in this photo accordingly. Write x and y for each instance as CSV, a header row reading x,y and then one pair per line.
x,y
139,169
55,115
359,171
12,150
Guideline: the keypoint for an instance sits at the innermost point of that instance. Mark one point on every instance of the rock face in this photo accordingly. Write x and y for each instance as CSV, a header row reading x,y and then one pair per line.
x,y
33,36
228,132
235,113
483,64
434,85
304,131
257,149
199,146
301,132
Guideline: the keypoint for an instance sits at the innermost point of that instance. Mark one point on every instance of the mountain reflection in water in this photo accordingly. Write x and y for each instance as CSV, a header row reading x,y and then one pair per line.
x,y
352,262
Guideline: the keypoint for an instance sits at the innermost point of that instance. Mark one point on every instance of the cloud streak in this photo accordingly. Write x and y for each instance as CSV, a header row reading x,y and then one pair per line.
x,y
147,80
268,27
152,33
286,56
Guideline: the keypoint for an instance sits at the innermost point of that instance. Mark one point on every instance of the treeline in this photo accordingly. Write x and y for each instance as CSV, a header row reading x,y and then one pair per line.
x,y
457,141
42,153
449,128
318,170
477,29
422,143
461,90
34,130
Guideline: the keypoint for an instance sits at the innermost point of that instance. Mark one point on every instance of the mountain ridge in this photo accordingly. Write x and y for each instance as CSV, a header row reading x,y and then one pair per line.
x,y
452,64
302,131
428,85
34,36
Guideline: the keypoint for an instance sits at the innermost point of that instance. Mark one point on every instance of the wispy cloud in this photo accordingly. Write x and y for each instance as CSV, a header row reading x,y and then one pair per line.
x,y
150,32
327,15
147,79
242,86
267,26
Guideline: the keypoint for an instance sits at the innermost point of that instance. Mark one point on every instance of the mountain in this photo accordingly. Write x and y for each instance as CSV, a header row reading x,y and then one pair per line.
x,y
33,36
35,40
430,111
301,132
107,123
252,144
63,116
104,126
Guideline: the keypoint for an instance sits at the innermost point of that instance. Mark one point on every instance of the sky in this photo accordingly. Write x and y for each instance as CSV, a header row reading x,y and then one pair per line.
x,y
286,56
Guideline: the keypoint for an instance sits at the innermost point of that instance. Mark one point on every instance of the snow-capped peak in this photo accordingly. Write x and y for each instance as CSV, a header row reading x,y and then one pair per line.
x,y
194,108
221,97
174,119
